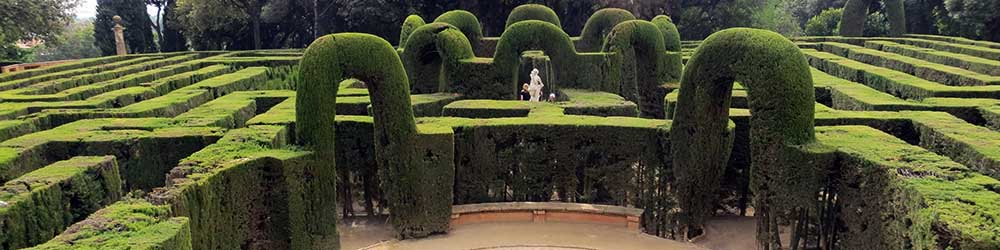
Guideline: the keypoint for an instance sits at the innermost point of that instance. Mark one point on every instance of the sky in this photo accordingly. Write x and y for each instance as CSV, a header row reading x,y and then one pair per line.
x,y
88,9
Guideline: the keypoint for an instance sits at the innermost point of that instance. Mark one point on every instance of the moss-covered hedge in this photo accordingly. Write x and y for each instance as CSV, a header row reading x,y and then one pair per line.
x,y
40,204
129,224
893,195
532,12
599,25
780,94
570,69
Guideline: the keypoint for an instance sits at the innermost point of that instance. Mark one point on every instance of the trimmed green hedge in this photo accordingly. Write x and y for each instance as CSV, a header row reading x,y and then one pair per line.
x,y
598,26
129,224
780,90
527,12
40,204
943,74
420,205
570,69
488,108
411,23
972,63
894,195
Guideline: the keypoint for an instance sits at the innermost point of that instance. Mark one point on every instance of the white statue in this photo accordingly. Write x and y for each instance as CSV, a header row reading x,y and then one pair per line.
x,y
535,88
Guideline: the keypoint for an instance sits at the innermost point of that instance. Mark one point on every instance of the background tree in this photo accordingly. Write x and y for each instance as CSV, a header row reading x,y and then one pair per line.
x,y
31,19
138,27
253,10
75,42
827,23
170,37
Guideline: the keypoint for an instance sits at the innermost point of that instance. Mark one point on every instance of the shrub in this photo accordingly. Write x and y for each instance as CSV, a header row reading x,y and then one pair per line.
x,y
827,23
671,37
856,16
637,48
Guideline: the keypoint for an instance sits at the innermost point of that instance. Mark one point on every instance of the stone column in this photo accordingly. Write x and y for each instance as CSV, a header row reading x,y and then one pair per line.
x,y
119,36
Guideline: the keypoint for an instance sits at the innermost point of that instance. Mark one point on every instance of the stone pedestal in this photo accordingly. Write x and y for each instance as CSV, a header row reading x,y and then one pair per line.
x,y
120,47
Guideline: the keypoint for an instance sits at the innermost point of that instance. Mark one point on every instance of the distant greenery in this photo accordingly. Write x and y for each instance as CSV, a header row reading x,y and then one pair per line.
x,y
31,19
827,23
75,42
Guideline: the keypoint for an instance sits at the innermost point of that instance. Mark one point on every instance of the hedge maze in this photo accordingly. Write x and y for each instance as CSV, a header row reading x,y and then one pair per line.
x,y
848,142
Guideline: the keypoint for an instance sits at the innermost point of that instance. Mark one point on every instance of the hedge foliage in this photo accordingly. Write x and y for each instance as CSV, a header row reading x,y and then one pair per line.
x,y
671,37
129,224
637,50
532,12
598,27
40,204
411,23
781,97
434,50
416,164
468,23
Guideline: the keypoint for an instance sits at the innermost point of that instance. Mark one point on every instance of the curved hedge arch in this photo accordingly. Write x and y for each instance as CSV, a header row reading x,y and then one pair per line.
x,y
532,35
433,48
465,21
532,12
856,12
418,186
637,48
671,37
409,25
599,25
781,99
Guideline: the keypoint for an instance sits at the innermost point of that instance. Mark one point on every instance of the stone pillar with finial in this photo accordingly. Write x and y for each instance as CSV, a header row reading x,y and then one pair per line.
x,y
119,36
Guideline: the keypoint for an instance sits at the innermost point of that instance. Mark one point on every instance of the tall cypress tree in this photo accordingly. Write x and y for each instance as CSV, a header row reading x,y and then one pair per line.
x,y
138,27
172,40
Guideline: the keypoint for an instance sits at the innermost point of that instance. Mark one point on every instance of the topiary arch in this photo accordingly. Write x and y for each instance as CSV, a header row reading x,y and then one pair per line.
x,y
856,12
599,25
411,23
417,165
671,37
532,12
781,98
433,48
467,23
637,50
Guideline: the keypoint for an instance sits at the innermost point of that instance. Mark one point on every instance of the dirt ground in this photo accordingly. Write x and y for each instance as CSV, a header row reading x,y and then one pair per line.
x,y
723,233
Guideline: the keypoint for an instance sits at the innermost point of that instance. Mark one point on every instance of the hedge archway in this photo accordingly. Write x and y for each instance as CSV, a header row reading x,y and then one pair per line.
x,y
417,166
411,23
781,99
637,48
467,22
671,37
532,12
599,25
433,48
856,13
533,35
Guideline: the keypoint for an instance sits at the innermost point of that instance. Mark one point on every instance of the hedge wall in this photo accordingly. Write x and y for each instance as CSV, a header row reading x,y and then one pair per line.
x,y
130,224
40,204
527,12
598,26
571,69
